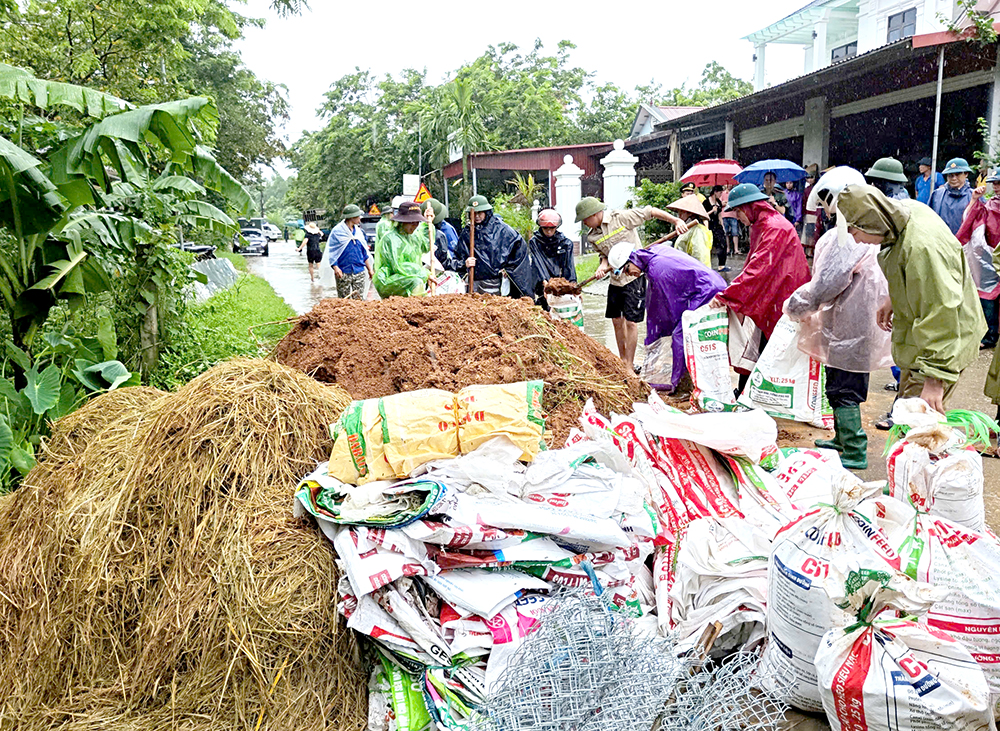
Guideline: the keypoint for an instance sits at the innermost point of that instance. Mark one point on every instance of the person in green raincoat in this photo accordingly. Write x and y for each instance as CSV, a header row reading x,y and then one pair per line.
x,y
399,267
385,223
934,311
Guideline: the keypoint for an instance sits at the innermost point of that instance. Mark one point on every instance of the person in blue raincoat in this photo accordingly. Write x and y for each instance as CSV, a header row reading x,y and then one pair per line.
x,y
499,251
951,200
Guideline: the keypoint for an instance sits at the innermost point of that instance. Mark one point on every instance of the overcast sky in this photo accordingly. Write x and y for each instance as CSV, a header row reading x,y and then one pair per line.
x,y
630,44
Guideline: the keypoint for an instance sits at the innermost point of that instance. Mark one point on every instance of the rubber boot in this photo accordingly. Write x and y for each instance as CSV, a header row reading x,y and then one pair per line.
x,y
838,440
853,437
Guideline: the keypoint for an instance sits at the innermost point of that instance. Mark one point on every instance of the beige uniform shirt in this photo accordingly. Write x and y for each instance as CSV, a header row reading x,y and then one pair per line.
x,y
619,226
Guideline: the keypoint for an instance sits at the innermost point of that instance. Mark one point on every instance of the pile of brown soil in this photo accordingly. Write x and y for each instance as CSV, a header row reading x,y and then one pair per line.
x,y
374,349
557,286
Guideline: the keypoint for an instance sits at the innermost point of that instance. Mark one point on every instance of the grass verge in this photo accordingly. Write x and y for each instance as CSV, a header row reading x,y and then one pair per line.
x,y
586,265
231,323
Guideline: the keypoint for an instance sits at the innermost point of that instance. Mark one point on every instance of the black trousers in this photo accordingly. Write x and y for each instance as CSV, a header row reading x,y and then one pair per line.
x,y
845,388
744,377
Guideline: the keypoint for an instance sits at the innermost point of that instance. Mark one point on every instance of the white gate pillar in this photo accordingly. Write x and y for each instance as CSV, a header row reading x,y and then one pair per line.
x,y
569,190
619,175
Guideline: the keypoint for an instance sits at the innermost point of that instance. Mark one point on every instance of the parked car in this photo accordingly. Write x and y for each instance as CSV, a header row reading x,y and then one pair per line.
x,y
272,232
252,242
200,251
368,225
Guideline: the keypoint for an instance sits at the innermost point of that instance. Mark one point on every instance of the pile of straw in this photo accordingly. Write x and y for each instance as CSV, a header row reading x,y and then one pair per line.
x,y
151,574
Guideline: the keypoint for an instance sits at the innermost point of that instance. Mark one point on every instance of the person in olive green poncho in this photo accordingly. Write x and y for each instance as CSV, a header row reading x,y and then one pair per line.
x,y
935,315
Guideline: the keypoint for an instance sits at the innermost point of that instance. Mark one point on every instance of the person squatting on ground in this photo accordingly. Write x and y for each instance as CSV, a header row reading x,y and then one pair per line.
x,y
626,294
551,254
775,267
311,239
399,266
934,313
985,213
501,256
675,284
951,200
837,310
347,254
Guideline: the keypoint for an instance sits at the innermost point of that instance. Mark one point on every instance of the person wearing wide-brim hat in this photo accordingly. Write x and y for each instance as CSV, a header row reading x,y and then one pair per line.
x,y
775,267
696,242
399,266
951,200
311,243
887,175
500,263
347,257
626,294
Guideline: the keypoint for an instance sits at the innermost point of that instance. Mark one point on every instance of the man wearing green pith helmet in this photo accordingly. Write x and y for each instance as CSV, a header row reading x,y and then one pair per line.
x,y
626,294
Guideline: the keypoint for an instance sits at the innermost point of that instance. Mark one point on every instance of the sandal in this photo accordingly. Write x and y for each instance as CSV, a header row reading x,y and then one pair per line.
x,y
891,386
885,423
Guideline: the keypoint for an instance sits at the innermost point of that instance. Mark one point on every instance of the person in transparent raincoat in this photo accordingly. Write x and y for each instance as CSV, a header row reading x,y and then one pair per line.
x,y
837,311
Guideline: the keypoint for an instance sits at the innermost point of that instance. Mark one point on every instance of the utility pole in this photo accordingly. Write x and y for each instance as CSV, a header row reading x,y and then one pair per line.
x,y
261,202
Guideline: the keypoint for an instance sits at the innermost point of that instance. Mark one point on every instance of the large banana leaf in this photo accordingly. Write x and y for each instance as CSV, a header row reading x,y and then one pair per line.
x,y
200,213
216,177
179,183
20,85
29,202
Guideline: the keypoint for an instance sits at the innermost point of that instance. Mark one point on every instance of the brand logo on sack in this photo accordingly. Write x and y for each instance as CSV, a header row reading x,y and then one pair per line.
x,y
357,447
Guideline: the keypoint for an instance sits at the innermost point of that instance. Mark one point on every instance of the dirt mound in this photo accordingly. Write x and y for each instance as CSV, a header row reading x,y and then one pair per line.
x,y
557,286
400,344
152,574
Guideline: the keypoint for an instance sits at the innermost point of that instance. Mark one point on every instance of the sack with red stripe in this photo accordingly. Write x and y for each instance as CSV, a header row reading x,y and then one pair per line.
x,y
881,673
805,554
948,555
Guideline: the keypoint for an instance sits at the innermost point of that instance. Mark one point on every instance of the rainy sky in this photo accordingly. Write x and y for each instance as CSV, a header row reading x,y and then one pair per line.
x,y
667,42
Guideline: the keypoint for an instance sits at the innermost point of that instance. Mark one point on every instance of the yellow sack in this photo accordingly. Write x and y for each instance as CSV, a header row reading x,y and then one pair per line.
x,y
418,427
358,455
387,438
513,409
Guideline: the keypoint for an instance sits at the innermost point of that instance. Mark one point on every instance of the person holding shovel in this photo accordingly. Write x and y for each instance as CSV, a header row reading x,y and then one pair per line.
x,y
500,264
551,254
399,266
626,294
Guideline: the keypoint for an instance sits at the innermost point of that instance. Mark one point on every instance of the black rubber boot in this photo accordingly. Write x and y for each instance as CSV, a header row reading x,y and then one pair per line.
x,y
853,437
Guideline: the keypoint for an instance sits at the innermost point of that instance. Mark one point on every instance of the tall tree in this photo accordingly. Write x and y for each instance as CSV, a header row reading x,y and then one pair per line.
x,y
456,117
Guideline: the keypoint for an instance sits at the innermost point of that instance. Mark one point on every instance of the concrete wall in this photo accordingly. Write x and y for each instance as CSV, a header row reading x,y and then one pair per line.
x,y
873,19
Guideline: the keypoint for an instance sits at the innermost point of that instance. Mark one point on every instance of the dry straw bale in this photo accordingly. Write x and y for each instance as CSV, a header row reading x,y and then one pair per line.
x,y
151,574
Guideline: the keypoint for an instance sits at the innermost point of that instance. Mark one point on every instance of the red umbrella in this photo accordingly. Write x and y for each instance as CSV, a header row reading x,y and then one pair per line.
x,y
718,171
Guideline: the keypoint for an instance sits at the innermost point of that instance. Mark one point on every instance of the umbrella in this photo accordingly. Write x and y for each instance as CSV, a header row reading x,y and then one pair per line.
x,y
718,171
784,170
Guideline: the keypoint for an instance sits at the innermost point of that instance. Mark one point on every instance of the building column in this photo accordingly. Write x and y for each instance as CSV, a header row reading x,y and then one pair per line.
x,y
994,110
758,69
807,59
619,175
730,151
821,55
676,164
569,190
816,133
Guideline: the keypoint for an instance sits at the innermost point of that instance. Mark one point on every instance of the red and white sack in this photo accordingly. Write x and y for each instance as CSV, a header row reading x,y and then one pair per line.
x,y
886,674
933,470
937,551
806,553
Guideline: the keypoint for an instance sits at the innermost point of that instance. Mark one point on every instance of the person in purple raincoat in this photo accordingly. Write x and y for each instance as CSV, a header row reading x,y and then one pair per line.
x,y
676,283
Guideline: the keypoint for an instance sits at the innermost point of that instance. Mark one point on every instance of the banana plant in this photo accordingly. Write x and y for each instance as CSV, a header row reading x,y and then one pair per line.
x,y
59,204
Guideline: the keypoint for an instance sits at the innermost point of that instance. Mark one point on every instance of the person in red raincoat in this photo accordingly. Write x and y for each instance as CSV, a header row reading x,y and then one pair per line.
x,y
775,267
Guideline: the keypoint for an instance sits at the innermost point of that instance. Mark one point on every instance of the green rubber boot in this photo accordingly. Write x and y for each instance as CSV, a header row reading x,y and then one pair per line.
x,y
838,440
853,437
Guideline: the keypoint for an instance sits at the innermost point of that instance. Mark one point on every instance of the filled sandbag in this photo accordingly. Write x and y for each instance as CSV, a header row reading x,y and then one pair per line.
x,y
513,410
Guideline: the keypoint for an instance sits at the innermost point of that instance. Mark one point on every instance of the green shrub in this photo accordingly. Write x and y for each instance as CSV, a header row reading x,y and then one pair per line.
x,y
229,324
516,216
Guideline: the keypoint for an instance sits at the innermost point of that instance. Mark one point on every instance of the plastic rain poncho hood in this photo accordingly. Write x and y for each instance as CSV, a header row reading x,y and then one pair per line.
x,y
937,319
837,306
775,267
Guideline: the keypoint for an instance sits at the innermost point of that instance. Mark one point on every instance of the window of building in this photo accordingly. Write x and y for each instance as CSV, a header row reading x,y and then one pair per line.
x,y
902,25
849,50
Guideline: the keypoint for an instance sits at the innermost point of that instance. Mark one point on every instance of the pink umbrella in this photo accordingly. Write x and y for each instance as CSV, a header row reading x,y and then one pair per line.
x,y
718,171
